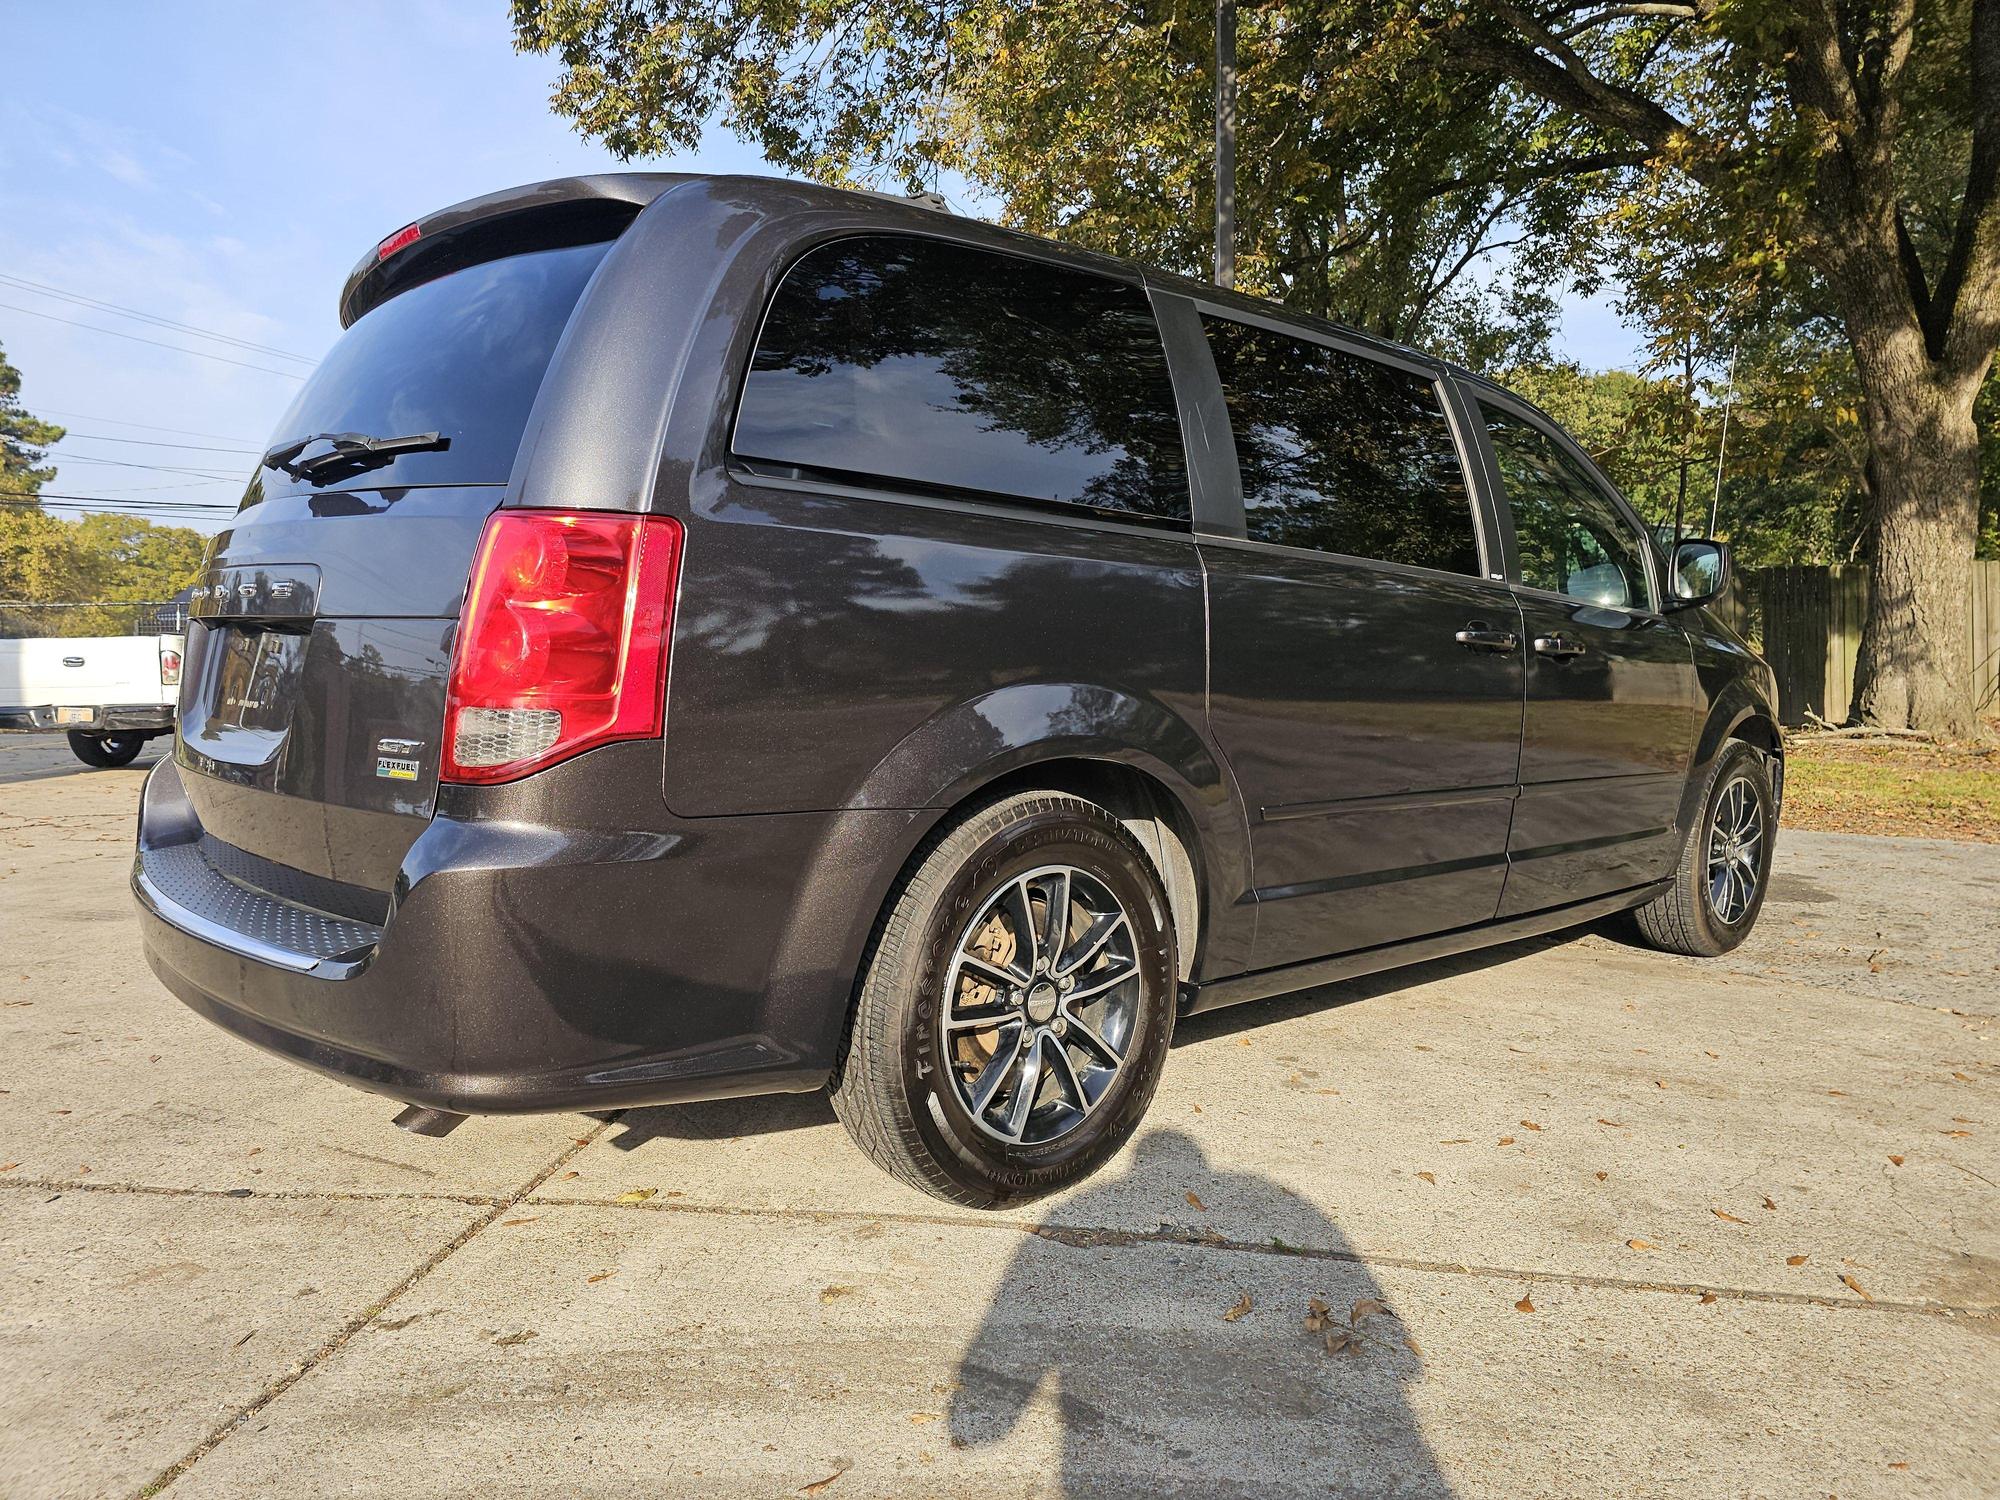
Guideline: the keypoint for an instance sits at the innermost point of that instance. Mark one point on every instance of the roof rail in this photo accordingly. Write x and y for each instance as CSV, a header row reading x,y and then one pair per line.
x,y
933,201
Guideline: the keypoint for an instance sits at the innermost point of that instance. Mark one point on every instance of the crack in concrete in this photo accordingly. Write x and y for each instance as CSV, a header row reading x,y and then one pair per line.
x,y
1074,1236
373,1311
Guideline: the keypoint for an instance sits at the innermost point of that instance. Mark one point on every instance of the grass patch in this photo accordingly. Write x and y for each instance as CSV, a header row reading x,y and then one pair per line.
x,y
1896,787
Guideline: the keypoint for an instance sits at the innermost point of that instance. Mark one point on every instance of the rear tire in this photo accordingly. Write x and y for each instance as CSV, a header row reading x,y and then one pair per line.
x,y
103,751
994,1054
1725,863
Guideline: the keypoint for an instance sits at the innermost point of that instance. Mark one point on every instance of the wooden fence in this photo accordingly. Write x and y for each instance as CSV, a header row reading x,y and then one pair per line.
x,y
1807,622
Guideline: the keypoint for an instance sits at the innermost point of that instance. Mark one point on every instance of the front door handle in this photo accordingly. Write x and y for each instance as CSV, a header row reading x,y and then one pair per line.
x,y
1477,637
1557,645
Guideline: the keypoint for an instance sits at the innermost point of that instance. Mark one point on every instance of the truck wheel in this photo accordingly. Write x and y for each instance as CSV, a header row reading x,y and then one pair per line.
x,y
1015,1006
1725,863
102,751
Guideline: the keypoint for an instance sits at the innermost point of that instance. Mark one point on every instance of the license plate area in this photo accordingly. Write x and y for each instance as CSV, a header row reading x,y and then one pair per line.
x,y
76,716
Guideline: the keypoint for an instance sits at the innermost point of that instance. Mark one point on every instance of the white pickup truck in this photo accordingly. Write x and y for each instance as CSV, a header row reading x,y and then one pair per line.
x,y
111,693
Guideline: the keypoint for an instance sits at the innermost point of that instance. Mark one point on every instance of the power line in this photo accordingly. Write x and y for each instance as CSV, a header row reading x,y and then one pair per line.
x,y
145,317
98,437
85,416
157,344
29,499
125,463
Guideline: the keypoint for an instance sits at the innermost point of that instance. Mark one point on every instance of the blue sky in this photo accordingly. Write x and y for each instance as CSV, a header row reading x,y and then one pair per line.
x,y
223,166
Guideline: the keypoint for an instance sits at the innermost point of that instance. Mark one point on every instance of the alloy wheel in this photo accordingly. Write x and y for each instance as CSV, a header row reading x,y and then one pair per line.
x,y
1040,1002
1735,839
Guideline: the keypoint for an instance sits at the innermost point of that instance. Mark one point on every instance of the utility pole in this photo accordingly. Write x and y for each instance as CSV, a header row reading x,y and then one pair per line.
x,y
1225,143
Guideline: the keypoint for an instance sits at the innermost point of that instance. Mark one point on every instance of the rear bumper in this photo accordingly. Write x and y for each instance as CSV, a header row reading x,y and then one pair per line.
x,y
114,718
526,967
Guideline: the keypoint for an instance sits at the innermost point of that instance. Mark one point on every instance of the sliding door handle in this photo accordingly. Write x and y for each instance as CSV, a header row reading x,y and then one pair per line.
x,y
1478,638
1557,646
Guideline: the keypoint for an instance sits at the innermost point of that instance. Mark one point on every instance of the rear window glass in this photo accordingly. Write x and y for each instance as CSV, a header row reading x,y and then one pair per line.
x,y
931,364
462,356
1342,453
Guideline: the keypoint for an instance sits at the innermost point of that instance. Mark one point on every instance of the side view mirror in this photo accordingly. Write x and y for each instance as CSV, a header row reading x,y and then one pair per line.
x,y
1701,572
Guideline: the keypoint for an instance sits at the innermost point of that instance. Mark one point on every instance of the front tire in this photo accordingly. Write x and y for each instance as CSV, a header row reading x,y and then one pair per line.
x,y
1015,1007
1725,863
103,751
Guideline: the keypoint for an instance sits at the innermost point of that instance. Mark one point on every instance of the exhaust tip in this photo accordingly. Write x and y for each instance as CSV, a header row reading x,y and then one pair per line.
x,y
419,1120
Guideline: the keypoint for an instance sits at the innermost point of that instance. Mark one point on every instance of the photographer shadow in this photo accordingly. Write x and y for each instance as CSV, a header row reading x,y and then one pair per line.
x,y
1155,1391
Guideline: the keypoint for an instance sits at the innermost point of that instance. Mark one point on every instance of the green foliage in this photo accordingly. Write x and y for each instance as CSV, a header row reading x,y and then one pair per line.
x,y
45,560
22,440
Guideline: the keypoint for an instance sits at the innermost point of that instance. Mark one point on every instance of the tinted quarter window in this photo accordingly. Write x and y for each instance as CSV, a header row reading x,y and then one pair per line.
x,y
463,356
1571,538
923,362
1341,453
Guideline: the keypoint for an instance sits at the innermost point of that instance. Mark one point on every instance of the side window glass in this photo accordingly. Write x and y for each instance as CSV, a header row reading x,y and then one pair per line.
x,y
1571,539
933,364
1341,453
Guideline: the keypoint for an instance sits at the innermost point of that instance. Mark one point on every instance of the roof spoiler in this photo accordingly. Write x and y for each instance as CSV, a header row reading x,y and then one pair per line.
x,y
541,216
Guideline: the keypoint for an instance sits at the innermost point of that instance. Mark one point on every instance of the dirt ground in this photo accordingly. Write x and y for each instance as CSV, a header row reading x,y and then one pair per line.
x,y
1893,786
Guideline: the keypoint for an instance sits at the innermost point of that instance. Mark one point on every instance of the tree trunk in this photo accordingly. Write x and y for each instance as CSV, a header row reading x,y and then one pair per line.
x,y
1913,669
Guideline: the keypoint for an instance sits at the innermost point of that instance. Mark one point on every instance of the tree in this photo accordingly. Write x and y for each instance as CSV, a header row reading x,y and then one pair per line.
x,y
23,438
1840,162
1093,122
46,560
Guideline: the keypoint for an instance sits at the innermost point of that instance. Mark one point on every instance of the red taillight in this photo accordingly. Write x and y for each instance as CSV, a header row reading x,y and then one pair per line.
x,y
402,239
170,668
563,644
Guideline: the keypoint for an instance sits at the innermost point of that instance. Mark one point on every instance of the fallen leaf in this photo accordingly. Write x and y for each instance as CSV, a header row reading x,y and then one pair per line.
x,y
1524,1305
1242,1306
1658,1084
1797,1260
1197,1109
1461,1141
1603,1176
1426,1177
1962,1079
920,1418
1410,1343
1770,1205
600,1276
1895,1161
8,1166
1338,1340
1506,1140
1899,1466
635,1195
510,1223
1612,1123
1706,1298
1835,1094
1957,1135
1364,1307
1420,1046
820,1486
1529,1125
835,1293
1720,1214
1640,1245
1317,1315
566,1176
1855,1287
1196,1204
509,1340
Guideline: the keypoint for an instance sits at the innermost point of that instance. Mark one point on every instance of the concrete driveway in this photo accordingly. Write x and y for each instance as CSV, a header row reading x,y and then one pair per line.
x,y
1639,1224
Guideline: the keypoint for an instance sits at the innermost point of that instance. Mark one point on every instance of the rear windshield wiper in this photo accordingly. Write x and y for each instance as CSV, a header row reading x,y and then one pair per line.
x,y
351,451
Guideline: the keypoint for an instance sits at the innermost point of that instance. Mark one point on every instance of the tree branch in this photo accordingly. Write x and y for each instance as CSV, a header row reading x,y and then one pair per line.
x,y
1568,166
1972,266
1623,12
1563,79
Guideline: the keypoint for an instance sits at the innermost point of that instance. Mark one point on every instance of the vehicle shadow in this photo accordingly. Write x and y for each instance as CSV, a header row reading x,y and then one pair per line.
x,y
1122,1342
774,1114
21,764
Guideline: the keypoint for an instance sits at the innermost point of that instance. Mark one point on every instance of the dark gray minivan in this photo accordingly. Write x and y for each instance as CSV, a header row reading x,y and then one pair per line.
x,y
699,636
